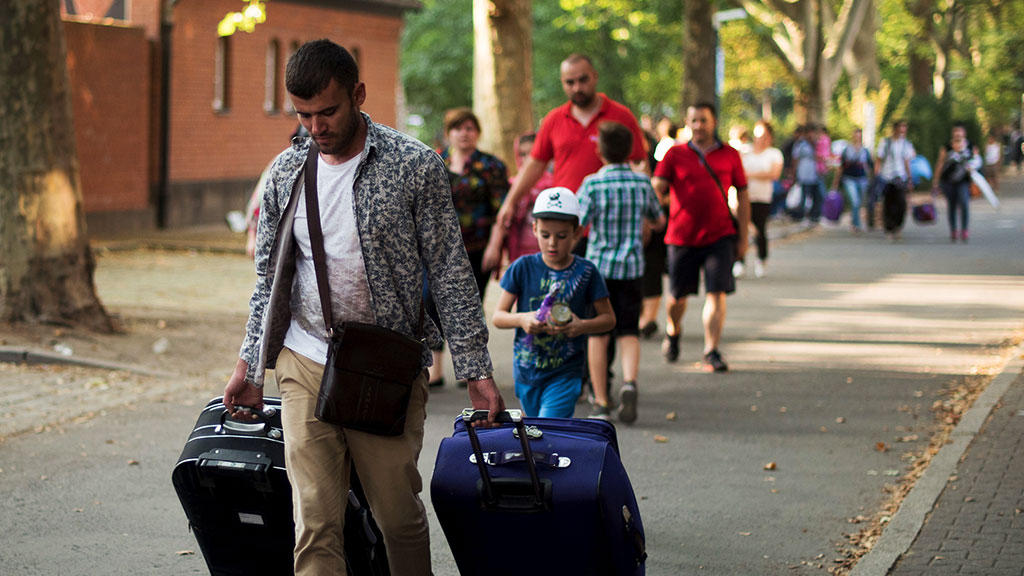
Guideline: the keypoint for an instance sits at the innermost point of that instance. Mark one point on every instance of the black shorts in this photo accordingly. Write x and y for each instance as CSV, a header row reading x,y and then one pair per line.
x,y
626,297
716,259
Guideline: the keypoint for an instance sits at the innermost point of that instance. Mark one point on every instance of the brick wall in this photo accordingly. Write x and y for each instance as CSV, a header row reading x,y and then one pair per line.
x,y
215,157
215,154
109,68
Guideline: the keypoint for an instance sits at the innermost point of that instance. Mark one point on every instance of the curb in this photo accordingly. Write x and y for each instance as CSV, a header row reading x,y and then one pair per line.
x,y
27,356
905,525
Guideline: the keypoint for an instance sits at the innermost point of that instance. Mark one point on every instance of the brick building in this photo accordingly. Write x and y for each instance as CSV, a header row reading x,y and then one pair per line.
x,y
187,155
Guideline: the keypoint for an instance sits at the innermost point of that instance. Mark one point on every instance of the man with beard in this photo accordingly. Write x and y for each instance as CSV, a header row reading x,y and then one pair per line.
x,y
702,235
386,214
568,135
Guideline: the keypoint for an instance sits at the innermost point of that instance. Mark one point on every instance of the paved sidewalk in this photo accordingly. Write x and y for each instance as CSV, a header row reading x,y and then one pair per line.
x,y
977,524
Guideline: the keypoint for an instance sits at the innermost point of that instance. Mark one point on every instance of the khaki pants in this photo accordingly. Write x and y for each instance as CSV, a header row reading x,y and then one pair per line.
x,y
319,456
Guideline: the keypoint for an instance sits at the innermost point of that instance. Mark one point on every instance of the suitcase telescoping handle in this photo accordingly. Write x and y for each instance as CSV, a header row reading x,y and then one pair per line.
x,y
501,493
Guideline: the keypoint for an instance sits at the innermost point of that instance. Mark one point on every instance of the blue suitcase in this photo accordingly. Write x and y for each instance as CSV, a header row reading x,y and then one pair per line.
x,y
556,484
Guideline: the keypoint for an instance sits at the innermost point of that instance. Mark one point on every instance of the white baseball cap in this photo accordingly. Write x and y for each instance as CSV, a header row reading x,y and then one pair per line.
x,y
557,203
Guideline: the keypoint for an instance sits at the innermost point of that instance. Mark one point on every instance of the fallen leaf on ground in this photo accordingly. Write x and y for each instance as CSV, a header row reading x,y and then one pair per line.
x,y
660,439
882,447
770,466
670,416
185,552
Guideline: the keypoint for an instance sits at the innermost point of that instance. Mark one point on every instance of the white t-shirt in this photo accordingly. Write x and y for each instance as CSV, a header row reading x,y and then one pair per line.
x,y
895,154
350,291
992,153
761,189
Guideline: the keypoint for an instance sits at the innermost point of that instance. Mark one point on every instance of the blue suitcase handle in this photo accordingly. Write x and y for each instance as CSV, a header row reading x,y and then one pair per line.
x,y
508,493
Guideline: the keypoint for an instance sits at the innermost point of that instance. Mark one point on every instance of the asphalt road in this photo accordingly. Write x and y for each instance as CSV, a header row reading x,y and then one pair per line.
x,y
836,357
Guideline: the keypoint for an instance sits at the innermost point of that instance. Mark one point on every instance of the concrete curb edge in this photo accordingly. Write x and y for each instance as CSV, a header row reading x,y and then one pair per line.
x,y
902,530
28,356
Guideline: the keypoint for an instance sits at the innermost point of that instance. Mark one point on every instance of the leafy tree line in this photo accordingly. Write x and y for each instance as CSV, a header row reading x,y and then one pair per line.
x,y
930,61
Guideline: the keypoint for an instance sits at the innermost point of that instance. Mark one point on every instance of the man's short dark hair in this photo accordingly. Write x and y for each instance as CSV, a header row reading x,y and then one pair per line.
x,y
315,63
706,105
614,141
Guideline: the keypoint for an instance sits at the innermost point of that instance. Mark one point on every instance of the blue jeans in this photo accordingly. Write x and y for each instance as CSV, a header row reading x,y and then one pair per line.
x,y
958,199
856,187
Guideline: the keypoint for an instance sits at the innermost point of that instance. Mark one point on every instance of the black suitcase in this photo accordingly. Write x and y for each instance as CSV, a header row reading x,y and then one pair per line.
x,y
231,481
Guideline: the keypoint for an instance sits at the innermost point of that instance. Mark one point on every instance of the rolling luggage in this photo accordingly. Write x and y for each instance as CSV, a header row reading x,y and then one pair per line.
x,y
833,206
232,483
554,488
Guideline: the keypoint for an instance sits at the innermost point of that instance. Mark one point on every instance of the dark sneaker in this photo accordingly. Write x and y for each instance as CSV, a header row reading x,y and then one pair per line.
x,y
713,362
627,403
648,330
600,412
439,383
670,348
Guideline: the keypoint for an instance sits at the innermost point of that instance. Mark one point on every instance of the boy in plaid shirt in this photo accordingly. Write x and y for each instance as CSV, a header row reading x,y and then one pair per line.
x,y
620,205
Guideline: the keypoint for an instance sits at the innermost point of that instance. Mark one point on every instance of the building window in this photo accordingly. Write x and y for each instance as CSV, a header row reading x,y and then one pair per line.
x,y
292,49
272,80
222,75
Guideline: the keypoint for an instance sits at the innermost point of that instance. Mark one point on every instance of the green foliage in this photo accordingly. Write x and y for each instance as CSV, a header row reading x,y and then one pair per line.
x,y
437,63
929,122
635,45
636,48
752,75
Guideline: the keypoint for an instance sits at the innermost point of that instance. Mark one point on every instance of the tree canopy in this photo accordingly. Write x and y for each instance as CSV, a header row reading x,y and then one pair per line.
x,y
966,49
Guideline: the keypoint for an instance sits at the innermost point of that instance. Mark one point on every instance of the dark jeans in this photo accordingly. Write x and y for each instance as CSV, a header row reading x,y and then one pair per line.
x,y
759,218
958,200
816,192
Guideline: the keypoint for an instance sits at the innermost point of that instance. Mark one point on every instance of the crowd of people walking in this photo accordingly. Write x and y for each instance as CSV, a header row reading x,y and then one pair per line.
x,y
659,205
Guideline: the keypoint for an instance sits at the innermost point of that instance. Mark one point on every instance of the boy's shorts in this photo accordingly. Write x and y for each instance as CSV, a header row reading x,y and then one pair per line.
x,y
627,297
555,398
716,259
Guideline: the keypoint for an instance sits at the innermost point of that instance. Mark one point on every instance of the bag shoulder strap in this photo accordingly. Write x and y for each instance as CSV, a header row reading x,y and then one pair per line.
x,y
316,241
316,234
707,167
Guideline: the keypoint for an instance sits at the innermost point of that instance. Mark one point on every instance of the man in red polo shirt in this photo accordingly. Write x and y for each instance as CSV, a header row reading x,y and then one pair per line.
x,y
694,179
568,135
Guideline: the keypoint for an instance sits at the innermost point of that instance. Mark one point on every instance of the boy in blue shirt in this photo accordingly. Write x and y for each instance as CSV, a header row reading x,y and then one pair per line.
x,y
618,203
549,352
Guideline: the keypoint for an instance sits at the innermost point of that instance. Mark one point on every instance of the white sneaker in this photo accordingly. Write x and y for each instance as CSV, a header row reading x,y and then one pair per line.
x,y
738,269
758,268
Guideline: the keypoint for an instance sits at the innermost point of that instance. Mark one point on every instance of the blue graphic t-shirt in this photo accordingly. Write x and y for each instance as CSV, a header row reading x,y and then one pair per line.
x,y
547,356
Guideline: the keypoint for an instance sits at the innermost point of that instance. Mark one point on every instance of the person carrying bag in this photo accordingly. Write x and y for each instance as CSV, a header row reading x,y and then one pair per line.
x,y
370,370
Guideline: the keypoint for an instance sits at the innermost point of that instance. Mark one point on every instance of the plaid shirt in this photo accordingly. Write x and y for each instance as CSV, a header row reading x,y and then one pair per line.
x,y
615,200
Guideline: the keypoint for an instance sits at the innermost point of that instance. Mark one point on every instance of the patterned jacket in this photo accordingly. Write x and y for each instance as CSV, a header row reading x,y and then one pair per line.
x,y
406,223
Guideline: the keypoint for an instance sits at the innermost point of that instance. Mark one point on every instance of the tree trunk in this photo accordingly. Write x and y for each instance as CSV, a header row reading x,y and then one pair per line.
x,y
503,73
812,40
699,62
921,53
46,266
862,61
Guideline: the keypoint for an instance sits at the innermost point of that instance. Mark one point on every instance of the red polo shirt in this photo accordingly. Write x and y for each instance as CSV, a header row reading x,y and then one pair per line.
x,y
573,146
698,213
